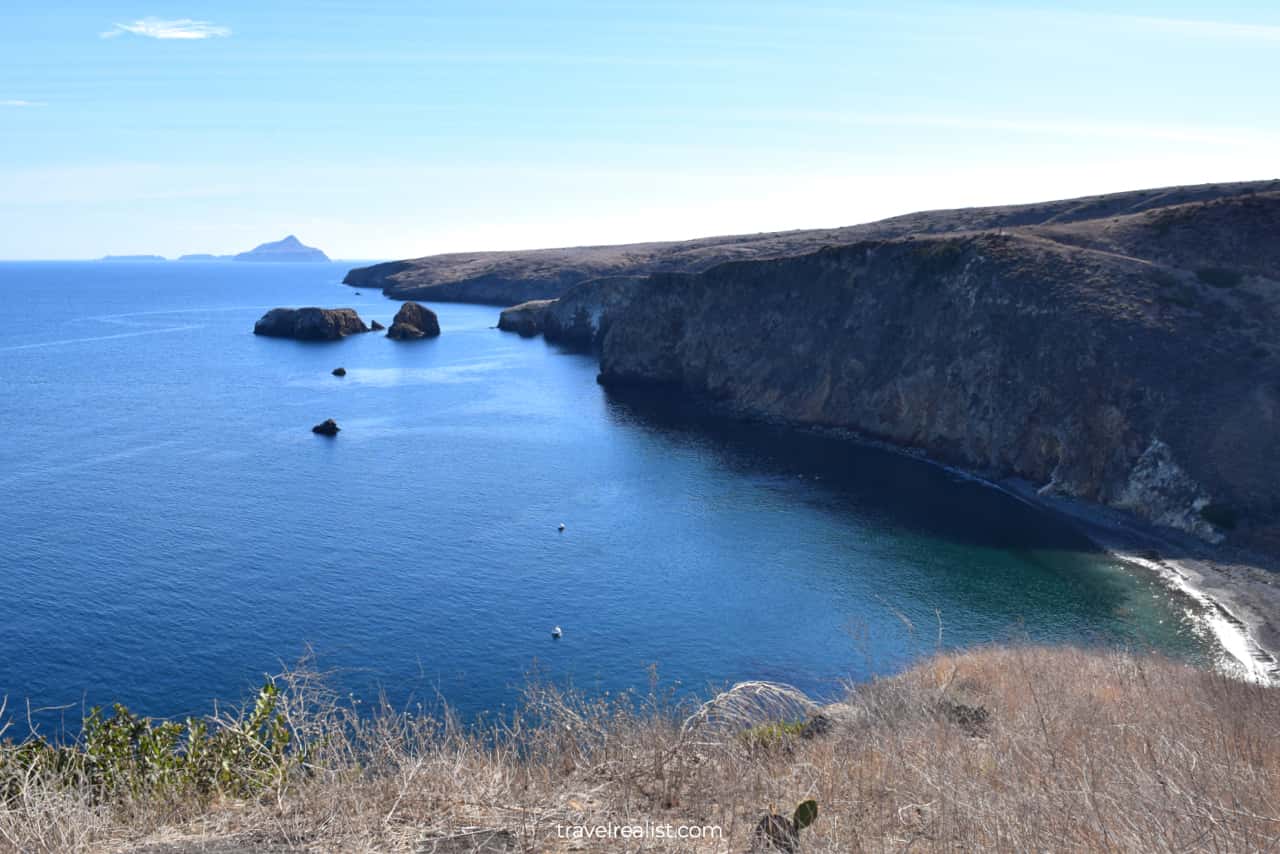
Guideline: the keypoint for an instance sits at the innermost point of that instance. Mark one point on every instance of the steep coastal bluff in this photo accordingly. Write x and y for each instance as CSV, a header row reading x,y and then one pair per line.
x,y
1120,348
508,278
1131,360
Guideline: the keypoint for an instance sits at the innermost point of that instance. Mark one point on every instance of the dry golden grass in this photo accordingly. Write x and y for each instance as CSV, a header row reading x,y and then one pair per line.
x,y
1008,749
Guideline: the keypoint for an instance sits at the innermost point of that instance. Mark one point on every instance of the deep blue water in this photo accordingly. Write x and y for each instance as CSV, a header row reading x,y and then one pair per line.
x,y
172,529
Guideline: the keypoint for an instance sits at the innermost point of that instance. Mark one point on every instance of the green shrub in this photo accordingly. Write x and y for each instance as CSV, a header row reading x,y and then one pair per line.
x,y
782,833
770,735
123,754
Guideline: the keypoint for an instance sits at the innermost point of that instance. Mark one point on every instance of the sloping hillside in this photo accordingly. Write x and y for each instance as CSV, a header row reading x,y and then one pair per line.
x,y
507,278
1002,749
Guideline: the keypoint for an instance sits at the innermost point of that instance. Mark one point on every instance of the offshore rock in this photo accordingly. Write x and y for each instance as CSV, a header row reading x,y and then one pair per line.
x,y
310,324
413,321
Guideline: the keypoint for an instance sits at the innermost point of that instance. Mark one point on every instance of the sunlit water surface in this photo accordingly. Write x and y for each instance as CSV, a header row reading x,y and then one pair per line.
x,y
172,529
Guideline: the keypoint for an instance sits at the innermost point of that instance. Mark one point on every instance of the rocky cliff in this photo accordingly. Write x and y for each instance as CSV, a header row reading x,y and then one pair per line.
x,y
1132,360
577,319
508,278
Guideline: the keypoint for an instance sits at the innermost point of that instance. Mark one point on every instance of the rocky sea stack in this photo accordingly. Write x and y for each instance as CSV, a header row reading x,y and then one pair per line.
x,y
413,321
310,324
327,427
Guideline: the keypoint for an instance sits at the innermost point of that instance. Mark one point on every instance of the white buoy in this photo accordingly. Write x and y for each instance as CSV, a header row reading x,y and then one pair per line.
x,y
562,527
555,633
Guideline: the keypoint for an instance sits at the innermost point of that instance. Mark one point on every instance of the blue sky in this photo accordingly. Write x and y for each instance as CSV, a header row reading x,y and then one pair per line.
x,y
394,129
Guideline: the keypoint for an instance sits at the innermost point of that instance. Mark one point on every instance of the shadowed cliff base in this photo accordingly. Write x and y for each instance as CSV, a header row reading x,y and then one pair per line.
x,y
855,478
1233,592
1009,749
1149,382
1132,361
1120,349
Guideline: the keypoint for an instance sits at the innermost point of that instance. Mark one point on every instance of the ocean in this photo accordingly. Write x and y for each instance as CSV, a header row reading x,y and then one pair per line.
x,y
172,530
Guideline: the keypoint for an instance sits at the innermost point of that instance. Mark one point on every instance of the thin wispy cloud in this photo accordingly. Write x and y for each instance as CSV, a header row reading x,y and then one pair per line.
x,y
178,28
1079,127
18,102
1056,127
1205,29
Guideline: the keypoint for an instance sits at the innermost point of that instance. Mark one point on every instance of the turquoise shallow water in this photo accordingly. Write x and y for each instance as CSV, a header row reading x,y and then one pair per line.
x,y
172,529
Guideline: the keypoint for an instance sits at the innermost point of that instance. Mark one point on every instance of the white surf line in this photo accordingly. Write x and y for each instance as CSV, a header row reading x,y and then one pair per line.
x,y
1253,661
198,309
1231,632
66,468
64,341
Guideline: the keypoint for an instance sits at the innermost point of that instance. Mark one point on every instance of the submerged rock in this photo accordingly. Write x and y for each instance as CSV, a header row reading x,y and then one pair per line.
x,y
327,427
339,372
310,324
413,321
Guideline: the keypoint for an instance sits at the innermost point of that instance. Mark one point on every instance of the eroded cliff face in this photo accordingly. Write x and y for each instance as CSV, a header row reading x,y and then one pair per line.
x,y
581,317
578,319
1140,383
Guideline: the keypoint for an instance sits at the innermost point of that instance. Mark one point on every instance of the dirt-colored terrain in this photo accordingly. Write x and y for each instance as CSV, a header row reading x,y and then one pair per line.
x,y
1004,749
508,278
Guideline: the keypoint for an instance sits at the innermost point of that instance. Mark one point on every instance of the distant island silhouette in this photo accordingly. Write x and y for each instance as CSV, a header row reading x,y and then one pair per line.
x,y
288,250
